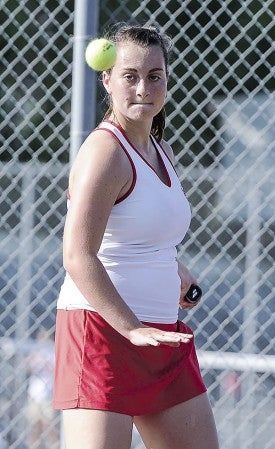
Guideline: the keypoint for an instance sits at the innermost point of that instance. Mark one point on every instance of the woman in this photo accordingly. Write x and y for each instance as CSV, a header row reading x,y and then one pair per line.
x,y
122,357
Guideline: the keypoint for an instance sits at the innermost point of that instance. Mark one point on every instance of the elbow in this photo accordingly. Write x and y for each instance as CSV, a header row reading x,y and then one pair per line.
x,y
69,263
76,262
72,260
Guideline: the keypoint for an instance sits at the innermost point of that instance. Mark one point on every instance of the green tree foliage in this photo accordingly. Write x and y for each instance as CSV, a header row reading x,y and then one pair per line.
x,y
220,47
35,66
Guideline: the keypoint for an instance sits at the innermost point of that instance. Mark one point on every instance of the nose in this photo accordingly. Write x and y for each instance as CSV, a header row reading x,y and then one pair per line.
x,y
142,89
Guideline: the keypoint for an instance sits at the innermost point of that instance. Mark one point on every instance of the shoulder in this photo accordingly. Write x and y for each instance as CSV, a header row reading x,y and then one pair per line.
x,y
168,151
100,144
101,155
102,150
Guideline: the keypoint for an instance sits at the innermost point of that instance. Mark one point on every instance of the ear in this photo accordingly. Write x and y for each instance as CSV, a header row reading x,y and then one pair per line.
x,y
106,81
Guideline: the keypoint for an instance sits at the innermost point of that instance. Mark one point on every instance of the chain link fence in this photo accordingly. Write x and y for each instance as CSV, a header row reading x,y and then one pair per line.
x,y
220,122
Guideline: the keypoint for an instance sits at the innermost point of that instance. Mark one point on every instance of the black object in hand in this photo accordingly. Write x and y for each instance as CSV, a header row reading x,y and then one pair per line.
x,y
194,294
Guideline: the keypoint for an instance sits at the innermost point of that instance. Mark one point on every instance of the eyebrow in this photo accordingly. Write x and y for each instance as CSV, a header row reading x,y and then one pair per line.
x,y
129,69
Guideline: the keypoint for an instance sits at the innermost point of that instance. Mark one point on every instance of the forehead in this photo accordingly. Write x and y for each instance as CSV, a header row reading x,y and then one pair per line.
x,y
132,55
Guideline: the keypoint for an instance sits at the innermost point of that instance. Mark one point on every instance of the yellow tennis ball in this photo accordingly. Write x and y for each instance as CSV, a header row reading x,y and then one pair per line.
x,y
100,54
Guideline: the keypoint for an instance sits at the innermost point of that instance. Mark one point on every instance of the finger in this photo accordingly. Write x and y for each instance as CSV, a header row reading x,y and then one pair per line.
x,y
186,335
167,336
186,338
170,337
174,344
187,305
152,342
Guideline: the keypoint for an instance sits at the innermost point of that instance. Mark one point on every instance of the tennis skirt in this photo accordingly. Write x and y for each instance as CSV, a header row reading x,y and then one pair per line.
x,y
97,368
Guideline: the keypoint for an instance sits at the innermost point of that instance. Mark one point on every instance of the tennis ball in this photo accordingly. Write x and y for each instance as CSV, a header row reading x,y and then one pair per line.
x,y
100,54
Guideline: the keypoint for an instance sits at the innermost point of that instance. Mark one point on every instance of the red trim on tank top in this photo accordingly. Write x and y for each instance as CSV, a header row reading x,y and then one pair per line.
x,y
133,183
167,157
168,182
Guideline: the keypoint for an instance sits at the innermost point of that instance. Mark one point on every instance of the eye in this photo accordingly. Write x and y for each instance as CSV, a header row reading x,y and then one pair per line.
x,y
129,77
155,77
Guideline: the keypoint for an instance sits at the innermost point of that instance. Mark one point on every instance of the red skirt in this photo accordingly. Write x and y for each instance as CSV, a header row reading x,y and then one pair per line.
x,y
97,368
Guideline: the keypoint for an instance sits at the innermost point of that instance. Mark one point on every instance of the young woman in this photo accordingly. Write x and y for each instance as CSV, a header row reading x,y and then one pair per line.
x,y
122,356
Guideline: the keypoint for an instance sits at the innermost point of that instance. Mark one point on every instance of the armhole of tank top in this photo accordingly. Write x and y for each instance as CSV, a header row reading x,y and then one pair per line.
x,y
133,183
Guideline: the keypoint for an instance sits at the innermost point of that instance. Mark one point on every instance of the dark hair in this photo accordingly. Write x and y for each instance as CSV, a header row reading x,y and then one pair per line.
x,y
144,36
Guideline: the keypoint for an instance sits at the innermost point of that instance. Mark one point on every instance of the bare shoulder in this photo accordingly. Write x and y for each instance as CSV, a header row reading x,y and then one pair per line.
x,y
99,146
101,156
168,151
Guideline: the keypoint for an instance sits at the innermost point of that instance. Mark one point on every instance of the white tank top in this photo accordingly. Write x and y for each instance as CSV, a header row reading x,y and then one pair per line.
x,y
138,249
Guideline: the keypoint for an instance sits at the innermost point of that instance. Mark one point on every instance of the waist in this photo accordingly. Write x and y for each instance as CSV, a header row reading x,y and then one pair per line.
x,y
129,254
151,291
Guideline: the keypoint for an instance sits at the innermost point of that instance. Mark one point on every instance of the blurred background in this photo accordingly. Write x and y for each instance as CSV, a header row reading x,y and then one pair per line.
x,y
220,123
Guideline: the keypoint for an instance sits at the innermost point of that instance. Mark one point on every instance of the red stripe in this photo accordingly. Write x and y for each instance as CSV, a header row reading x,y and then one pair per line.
x,y
131,188
168,183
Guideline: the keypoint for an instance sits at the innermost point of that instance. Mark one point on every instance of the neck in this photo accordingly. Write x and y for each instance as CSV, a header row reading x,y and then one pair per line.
x,y
137,132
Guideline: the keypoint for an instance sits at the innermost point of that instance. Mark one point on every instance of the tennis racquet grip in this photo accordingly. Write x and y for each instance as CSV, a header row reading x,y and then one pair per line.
x,y
194,294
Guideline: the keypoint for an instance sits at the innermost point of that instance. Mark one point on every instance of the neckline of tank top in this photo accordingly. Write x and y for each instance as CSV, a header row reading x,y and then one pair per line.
x,y
167,182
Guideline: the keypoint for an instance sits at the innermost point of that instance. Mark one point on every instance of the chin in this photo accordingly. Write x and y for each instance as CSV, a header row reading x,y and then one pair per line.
x,y
144,114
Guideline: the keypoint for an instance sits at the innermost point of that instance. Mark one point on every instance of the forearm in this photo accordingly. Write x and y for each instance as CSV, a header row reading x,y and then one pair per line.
x,y
91,278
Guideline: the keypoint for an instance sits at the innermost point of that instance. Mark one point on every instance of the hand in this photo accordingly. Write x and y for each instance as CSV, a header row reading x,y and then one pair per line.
x,y
150,336
187,279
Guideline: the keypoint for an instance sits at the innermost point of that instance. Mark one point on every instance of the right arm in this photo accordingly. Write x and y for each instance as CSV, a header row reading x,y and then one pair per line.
x,y
101,173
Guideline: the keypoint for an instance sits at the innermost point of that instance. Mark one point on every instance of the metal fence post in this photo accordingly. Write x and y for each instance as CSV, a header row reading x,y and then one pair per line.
x,y
83,79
